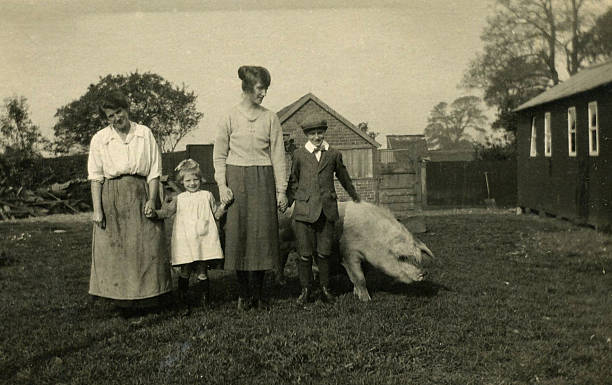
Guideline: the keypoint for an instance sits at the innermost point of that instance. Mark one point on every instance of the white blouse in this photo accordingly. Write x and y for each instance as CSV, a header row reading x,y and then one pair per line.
x,y
110,156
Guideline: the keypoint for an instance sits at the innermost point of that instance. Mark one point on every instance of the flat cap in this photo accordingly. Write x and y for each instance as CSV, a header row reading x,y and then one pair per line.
x,y
314,125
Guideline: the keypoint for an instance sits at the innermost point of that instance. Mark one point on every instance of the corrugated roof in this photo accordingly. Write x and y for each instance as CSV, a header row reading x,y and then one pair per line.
x,y
287,111
587,79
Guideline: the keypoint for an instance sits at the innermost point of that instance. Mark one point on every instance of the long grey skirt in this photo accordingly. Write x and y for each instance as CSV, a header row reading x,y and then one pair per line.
x,y
129,257
251,229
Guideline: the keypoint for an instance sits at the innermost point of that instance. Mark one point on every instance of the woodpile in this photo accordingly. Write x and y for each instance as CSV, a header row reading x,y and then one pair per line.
x,y
68,197
58,198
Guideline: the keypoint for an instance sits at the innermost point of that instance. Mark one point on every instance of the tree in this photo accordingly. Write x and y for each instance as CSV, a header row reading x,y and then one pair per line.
x,y
600,38
508,78
168,110
19,136
496,147
523,42
448,126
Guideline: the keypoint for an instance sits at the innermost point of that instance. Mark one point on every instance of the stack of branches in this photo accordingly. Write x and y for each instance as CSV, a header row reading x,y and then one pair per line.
x,y
20,202
169,188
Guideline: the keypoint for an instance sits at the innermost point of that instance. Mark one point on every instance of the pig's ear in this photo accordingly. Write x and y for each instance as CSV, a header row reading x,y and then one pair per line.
x,y
423,248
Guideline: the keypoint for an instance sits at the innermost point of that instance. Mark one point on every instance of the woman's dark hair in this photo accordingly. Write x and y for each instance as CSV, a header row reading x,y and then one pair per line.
x,y
113,100
250,75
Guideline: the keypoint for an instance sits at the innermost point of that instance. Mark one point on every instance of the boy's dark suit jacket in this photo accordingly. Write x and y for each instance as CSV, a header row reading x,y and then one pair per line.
x,y
311,184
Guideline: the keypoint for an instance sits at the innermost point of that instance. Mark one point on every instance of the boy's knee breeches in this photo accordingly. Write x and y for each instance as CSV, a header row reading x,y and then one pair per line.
x,y
314,238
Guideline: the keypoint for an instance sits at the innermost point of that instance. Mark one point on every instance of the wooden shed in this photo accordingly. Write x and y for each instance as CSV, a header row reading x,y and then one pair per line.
x,y
564,149
359,150
402,179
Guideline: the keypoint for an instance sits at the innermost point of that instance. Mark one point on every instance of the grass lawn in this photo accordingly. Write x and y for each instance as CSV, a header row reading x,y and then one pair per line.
x,y
517,300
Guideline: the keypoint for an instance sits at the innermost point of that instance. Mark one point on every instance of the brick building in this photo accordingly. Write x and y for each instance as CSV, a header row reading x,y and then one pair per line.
x,y
359,151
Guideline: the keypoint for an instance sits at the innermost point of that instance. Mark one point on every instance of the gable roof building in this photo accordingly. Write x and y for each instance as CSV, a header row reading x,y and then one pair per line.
x,y
585,80
564,149
286,114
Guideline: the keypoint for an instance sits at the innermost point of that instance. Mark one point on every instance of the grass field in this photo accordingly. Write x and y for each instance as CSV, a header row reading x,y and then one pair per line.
x,y
517,300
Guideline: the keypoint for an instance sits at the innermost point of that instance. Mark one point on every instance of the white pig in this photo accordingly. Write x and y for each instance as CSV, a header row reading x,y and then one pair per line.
x,y
371,234
368,233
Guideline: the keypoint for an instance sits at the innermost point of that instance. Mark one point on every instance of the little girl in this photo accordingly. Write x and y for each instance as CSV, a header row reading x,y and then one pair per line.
x,y
195,238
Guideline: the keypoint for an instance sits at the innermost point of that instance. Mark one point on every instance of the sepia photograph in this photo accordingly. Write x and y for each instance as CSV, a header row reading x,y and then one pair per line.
x,y
306,192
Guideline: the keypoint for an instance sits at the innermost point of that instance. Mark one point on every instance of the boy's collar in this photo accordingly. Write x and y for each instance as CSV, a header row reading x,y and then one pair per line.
x,y
310,147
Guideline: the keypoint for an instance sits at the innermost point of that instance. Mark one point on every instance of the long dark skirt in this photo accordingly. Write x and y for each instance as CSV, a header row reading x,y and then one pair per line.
x,y
129,257
251,229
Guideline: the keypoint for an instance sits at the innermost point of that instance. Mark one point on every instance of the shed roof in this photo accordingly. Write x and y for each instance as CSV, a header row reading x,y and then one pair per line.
x,y
587,79
287,111
398,142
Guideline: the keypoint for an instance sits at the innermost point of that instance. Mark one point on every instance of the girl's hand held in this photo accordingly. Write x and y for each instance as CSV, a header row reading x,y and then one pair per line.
x,y
225,194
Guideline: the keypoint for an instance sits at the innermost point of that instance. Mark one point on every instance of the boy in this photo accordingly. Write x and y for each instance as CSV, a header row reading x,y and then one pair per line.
x,y
311,186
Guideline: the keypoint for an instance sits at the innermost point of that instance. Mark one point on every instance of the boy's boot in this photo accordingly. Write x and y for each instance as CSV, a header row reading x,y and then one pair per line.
x,y
323,263
183,286
305,276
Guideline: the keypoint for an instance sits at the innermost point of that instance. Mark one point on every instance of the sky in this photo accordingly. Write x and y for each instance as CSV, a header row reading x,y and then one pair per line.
x,y
385,62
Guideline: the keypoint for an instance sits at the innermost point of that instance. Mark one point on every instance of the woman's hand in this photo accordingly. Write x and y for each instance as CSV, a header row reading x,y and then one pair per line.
x,y
98,219
225,194
149,208
281,202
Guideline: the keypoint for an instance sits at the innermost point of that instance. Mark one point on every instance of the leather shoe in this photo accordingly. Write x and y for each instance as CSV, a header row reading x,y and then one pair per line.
x,y
326,295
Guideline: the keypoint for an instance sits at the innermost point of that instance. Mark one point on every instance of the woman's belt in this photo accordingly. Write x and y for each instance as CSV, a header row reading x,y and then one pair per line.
x,y
124,175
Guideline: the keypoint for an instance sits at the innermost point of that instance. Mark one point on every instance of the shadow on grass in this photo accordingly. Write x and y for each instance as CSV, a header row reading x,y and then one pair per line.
x,y
379,282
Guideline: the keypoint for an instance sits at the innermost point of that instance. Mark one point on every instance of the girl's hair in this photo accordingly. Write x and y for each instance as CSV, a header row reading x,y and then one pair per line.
x,y
113,100
187,166
250,75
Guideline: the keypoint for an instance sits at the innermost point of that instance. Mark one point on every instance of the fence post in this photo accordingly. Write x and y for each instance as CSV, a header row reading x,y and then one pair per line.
x,y
423,169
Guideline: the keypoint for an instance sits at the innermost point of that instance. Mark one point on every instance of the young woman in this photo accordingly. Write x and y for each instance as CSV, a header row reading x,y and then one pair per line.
x,y
249,159
129,261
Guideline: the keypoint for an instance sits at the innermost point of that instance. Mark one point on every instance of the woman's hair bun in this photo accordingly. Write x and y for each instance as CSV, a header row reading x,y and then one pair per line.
x,y
250,75
242,72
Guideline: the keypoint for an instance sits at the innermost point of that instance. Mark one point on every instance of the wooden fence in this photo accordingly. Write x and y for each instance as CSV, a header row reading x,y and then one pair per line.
x,y
401,187
456,184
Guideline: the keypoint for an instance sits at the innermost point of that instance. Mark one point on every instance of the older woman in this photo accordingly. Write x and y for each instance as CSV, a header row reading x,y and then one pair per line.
x,y
249,159
129,261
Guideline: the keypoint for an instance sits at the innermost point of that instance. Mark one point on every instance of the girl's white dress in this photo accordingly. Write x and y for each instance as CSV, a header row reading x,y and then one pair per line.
x,y
195,236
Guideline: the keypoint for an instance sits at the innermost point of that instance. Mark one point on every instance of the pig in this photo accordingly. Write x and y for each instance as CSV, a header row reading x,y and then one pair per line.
x,y
367,233
372,234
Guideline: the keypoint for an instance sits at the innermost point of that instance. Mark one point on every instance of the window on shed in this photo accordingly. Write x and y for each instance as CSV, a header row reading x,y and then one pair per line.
x,y
593,130
533,151
571,131
547,135
358,162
